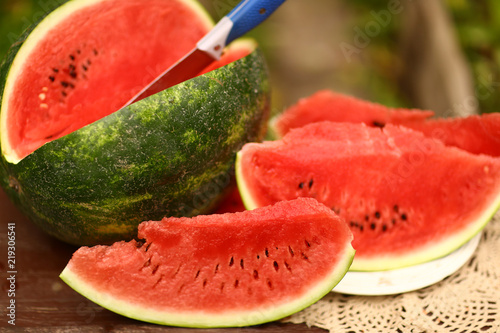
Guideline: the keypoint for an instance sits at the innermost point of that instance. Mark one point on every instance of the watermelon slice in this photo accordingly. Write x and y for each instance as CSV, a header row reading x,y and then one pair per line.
x,y
407,198
219,270
476,134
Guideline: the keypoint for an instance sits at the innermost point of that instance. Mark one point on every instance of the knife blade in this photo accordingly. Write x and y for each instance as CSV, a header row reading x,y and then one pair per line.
x,y
243,18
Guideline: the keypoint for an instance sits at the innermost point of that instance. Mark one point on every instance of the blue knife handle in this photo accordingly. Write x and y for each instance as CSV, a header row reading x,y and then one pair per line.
x,y
248,14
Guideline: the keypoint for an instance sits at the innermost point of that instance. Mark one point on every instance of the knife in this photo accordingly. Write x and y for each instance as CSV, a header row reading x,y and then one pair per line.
x,y
243,18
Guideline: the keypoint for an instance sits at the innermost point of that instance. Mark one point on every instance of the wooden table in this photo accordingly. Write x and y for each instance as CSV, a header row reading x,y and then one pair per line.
x,y
44,303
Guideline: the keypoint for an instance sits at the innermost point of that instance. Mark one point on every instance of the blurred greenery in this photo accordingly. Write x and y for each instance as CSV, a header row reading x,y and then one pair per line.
x,y
478,26
477,23
13,16
478,30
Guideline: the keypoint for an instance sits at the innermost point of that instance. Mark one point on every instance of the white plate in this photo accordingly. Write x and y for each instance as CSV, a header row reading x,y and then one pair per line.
x,y
409,278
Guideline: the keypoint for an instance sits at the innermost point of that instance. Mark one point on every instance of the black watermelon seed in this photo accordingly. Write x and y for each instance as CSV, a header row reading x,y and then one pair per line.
x,y
51,78
255,274
55,70
236,283
85,68
64,93
159,280
311,182
276,267
291,251
266,252
367,217
231,262
404,217
73,74
373,226
378,124
72,57
396,208
147,263
384,227
377,215
301,185
242,265
361,228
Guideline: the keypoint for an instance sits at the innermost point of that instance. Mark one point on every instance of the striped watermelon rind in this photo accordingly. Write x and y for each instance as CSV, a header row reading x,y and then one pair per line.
x,y
171,154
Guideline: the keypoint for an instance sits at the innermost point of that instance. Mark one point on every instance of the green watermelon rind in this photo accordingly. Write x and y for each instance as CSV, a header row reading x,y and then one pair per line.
x,y
429,253
70,196
210,320
160,152
434,251
241,182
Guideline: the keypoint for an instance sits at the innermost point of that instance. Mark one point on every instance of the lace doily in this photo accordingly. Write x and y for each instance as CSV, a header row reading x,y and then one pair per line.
x,y
467,301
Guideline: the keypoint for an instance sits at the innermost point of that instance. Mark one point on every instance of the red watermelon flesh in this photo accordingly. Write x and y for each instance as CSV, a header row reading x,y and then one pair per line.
x,y
97,59
328,105
407,198
232,203
476,134
219,270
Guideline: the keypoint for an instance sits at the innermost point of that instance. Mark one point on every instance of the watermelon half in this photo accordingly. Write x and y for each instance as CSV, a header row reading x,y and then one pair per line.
x,y
478,134
219,270
407,198
87,170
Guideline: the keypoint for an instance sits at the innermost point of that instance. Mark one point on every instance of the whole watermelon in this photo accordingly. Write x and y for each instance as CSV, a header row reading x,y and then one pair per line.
x,y
171,154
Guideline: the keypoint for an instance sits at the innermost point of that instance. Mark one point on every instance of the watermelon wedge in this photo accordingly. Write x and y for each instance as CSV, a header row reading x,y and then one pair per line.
x,y
407,198
219,270
476,134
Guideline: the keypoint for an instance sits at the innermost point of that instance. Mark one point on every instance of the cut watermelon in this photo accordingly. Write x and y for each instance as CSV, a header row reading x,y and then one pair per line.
x,y
90,36
88,171
328,105
219,270
476,134
407,198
